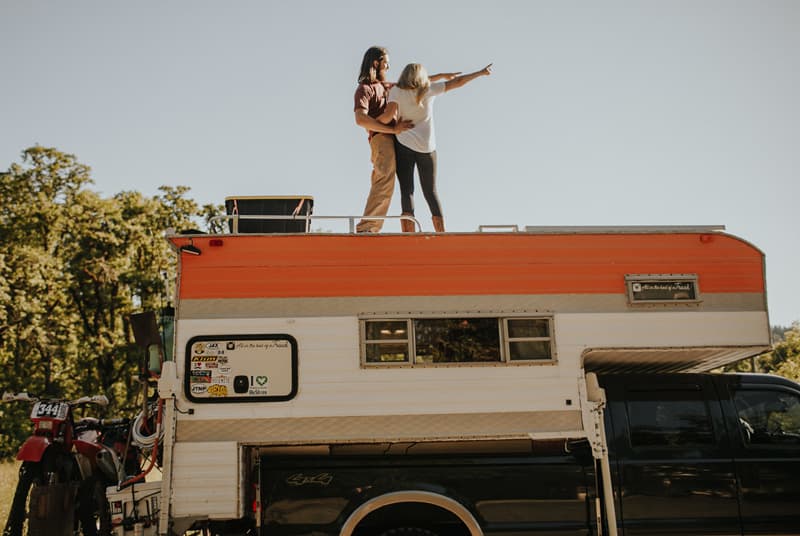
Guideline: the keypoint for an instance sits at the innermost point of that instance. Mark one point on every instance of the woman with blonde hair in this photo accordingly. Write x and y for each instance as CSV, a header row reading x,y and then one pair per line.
x,y
412,100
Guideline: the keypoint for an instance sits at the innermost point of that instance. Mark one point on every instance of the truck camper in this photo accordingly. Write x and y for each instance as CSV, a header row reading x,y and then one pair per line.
x,y
426,384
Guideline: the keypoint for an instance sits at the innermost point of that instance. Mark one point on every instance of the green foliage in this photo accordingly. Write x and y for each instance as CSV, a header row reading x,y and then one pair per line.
x,y
73,266
783,359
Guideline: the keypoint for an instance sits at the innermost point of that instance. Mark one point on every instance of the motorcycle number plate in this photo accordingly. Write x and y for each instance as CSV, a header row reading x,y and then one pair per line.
x,y
50,410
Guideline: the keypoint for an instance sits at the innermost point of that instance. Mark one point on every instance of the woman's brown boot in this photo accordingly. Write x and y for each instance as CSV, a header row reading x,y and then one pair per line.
x,y
408,226
438,224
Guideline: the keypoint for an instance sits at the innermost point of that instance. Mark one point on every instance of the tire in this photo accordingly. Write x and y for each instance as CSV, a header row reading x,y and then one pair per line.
x,y
103,510
93,509
30,474
54,468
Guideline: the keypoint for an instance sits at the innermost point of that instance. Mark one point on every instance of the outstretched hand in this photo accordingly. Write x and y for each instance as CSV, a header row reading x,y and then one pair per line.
x,y
486,71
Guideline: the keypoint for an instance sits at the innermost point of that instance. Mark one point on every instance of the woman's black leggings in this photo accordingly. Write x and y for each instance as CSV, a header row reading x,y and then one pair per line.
x,y
426,167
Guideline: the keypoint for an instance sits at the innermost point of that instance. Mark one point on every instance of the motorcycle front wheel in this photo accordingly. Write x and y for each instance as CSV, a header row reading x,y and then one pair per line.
x,y
30,474
44,497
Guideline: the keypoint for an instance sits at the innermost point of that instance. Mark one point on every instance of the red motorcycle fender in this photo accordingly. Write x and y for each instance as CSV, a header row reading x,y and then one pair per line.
x,y
88,449
33,449
86,456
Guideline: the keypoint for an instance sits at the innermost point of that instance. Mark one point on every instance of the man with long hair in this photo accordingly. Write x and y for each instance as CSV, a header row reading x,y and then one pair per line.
x,y
370,102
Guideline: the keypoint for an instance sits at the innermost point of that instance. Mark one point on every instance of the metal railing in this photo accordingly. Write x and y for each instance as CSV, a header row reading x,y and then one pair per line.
x,y
233,225
512,228
234,219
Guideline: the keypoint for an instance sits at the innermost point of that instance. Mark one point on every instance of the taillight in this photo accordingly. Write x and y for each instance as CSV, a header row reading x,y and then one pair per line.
x,y
44,425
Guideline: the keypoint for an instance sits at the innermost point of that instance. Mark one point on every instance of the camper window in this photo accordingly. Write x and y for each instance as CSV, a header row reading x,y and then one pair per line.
x,y
456,340
386,341
528,338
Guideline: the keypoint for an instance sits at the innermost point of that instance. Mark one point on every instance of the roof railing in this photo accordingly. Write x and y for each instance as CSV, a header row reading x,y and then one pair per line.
x,y
622,229
513,228
305,221
233,221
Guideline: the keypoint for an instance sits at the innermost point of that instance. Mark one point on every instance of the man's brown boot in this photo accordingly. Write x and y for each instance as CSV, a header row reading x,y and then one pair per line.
x,y
438,224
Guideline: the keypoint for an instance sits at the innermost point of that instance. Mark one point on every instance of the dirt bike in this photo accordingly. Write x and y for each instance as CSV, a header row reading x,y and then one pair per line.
x,y
65,468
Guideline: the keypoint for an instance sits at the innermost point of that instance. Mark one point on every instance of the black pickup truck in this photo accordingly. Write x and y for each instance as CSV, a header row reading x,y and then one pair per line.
x,y
690,454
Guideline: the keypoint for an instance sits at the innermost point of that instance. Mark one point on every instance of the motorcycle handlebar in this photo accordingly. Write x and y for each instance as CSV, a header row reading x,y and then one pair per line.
x,y
100,400
22,397
115,422
90,423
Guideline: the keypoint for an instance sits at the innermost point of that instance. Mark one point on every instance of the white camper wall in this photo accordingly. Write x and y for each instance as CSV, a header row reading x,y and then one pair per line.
x,y
340,400
206,480
333,382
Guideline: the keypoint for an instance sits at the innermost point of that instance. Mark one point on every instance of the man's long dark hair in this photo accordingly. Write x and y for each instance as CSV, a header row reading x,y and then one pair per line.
x,y
368,74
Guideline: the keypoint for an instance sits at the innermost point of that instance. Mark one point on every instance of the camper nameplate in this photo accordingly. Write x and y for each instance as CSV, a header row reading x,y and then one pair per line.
x,y
241,368
662,288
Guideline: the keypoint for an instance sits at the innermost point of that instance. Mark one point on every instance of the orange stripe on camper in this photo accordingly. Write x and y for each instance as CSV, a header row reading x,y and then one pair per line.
x,y
279,266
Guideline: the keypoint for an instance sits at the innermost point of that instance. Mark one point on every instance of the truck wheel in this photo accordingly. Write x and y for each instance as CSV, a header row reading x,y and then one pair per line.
x,y
29,475
408,531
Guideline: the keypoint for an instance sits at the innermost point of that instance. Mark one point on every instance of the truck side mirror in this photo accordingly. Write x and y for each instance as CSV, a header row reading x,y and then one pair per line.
x,y
147,337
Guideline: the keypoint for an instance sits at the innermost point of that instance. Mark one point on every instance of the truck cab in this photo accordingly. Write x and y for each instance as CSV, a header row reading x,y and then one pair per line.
x,y
704,453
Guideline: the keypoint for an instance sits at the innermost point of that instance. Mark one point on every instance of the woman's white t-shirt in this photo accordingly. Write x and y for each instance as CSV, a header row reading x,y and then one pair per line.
x,y
421,138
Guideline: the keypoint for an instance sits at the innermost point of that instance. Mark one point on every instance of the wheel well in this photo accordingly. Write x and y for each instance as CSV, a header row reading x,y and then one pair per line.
x,y
420,509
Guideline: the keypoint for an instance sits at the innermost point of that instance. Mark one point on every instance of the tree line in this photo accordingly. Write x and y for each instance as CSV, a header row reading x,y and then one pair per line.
x,y
783,359
74,266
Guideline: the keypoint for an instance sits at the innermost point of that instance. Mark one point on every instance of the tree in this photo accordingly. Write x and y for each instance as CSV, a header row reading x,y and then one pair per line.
x,y
74,267
31,224
784,359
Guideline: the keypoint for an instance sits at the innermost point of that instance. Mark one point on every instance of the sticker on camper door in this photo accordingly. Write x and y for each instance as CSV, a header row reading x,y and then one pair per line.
x,y
200,376
217,390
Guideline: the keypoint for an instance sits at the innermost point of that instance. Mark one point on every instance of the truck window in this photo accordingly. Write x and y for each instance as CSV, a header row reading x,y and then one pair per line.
x,y
768,416
669,418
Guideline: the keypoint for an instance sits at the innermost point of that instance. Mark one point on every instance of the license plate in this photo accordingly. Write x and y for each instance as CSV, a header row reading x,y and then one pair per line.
x,y
50,410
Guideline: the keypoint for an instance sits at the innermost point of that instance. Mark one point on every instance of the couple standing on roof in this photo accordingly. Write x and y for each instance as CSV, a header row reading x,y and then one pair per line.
x,y
399,120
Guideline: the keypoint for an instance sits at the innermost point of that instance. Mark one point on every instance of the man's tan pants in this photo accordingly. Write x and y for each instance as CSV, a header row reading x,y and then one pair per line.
x,y
380,194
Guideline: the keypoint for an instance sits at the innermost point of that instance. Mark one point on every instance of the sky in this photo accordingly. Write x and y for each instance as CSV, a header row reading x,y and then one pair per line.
x,y
683,112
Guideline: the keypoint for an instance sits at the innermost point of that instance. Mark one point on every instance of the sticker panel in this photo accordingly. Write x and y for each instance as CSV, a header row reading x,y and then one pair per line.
x,y
241,368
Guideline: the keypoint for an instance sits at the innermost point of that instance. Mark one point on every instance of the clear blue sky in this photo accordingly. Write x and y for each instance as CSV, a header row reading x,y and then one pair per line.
x,y
598,112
